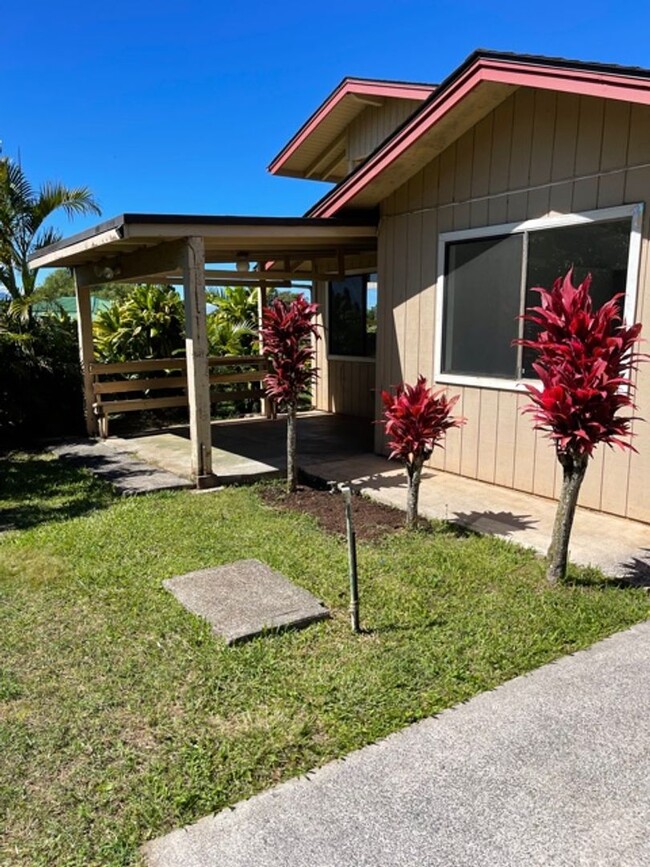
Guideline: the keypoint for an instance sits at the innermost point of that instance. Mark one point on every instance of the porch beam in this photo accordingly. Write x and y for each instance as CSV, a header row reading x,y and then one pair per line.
x,y
86,354
145,263
226,278
266,406
235,279
196,352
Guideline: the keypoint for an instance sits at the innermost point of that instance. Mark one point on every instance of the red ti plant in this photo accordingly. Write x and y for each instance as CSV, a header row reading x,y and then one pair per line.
x,y
416,419
287,332
584,360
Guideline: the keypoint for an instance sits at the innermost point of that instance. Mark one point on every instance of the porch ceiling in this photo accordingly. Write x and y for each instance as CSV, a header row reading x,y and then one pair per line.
x,y
145,246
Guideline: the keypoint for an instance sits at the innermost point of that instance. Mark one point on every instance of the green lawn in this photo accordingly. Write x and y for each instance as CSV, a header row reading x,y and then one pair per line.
x,y
121,717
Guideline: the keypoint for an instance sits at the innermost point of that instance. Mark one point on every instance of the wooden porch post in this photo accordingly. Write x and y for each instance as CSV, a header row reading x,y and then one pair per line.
x,y
266,405
86,352
196,350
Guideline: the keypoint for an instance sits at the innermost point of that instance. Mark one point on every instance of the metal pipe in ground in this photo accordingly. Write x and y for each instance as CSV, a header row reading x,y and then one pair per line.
x,y
352,558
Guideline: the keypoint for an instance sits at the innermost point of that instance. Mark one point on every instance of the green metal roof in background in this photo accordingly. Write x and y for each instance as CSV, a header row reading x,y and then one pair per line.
x,y
68,305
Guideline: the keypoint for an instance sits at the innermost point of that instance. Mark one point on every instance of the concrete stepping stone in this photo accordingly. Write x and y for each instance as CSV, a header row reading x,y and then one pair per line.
x,y
245,599
128,475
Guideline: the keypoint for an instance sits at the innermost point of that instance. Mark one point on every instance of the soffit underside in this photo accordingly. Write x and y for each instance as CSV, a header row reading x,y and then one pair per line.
x,y
424,148
322,153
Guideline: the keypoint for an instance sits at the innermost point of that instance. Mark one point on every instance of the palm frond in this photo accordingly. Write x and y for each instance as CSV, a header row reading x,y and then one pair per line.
x,y
8,279
46,237
73,200
20,307
15,189
23,212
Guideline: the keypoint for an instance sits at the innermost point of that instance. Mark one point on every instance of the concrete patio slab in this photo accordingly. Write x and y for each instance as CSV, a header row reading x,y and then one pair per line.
x,y
128,474
552,768
171,450
250,449
245,599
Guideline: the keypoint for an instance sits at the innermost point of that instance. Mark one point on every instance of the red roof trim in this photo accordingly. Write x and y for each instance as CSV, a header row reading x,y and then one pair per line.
x,y
567,80
360,87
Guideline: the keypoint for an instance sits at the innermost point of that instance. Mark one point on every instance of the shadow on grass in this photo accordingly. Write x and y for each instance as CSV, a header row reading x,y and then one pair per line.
x,y
389,628
451,528
36,490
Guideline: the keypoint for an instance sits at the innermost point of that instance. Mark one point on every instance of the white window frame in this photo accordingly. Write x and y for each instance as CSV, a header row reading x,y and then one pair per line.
x,y
554,221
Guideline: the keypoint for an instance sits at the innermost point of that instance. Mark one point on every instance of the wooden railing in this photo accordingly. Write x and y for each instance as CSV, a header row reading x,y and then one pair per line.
x,y
133,386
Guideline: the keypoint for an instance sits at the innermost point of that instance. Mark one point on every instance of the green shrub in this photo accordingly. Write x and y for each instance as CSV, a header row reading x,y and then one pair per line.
x,y
148,323
40,380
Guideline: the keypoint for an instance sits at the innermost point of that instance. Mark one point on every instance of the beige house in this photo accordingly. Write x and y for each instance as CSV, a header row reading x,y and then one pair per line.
x,y
450,202
493,182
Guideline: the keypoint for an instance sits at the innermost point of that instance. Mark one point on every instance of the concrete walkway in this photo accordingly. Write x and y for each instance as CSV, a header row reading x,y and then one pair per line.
x,y
125,471
552,768
336,448
621,548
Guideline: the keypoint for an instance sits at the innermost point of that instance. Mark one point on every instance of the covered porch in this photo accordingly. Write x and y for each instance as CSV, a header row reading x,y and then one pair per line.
x,y
249,449
199,252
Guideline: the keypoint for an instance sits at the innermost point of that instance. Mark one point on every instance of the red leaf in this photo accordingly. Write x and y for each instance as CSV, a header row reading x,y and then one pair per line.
x,y
287,331
584,361
416,420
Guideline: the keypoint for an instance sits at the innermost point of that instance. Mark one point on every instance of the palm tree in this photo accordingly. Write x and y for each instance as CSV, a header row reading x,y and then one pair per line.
x,y
23,213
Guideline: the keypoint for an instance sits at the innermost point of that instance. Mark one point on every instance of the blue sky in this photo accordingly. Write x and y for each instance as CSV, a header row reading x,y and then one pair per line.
x,y
173,107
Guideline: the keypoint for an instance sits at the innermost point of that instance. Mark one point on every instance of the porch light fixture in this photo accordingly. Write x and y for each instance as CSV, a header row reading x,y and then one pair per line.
x,y
242,263
106,272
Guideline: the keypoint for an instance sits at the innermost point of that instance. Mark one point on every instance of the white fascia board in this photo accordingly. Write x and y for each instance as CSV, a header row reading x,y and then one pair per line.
x,y
56,257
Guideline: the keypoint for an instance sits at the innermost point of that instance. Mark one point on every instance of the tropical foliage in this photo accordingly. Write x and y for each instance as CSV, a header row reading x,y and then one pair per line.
x,y
40,380
233,323
40,385
149,323
24,213
288,332
416,419
230,338
584,360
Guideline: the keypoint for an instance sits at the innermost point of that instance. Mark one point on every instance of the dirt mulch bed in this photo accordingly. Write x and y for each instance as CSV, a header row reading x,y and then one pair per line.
x,y
371,520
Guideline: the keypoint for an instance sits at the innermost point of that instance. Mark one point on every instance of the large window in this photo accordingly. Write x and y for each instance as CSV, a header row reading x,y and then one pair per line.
x,y
489,276
352,304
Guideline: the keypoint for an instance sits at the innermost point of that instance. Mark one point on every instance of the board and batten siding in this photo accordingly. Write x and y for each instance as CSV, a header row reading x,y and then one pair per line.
x,y
373,126
537,153
344,385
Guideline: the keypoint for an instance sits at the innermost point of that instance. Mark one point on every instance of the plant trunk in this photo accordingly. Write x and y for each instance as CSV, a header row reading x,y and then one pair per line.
x,y
292,464
414,473
574,468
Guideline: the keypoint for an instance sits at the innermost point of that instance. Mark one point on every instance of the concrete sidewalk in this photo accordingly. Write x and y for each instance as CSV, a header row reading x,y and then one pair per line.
x,y
552,768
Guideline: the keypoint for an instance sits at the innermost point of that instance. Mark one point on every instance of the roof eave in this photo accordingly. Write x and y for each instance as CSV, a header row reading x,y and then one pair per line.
x,y
359,87
600,80
140,230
